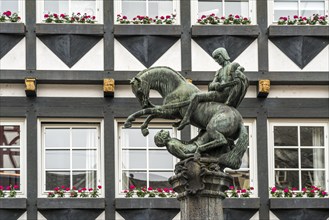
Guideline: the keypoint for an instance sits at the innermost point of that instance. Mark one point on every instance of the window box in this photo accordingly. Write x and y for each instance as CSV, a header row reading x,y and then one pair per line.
x,y
146,203
244,30
71,203
299,203
12,203
88,29
298,30
241,203
149,29
12,28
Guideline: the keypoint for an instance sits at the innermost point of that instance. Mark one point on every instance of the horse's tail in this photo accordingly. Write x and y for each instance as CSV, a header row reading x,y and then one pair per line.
x,y
233,158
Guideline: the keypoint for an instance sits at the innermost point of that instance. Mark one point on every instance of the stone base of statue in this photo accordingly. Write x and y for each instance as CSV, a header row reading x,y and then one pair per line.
x,y
200,184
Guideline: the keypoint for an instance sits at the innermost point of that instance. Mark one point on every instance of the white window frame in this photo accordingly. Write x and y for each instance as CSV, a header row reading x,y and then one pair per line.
x,y
82,123
298,123
118,123
273,20
21,10
41,11
251,123
252,11
22,123
176,10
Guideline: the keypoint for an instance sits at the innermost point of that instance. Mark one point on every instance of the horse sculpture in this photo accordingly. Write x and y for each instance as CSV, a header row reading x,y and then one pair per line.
x,y
220,125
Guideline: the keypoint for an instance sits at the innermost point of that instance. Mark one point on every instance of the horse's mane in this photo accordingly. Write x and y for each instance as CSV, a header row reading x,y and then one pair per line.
x,y
160,67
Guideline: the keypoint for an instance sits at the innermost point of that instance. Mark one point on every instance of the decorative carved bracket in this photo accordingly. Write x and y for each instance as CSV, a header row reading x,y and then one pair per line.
x,y
263,88
31,87
108,87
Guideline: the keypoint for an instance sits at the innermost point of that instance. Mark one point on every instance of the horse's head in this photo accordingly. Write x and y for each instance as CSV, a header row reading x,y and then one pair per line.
x,y
141,89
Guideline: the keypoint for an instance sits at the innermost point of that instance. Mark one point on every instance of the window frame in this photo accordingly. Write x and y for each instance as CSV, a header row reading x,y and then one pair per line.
x,y
118,10
251,4
156,123
99,11
21,10
273,20
22,123
70,123
252,153
298,123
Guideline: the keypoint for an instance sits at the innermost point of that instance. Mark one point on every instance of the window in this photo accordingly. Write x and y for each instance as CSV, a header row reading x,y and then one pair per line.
x,y
245,176
141,163
15,6
221,8
305,8
71,155
299,154
12,151
90,7
151,8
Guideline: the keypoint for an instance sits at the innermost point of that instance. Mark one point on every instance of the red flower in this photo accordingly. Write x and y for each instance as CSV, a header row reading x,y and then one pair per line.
x,y
79,191
93,17
78,13
118,15
237,16
150,188
168,16
99,187
323,193
46,16
125,191
231,187
74,188
55,15
84,189
16,187
243,190
63,187
223,17
90,189
203,16
124,17
212,15
1,188
238,191
156,17
286,190
171,189
304,189
67,189
56,188
294,188
312,191
166,190
62,15
161,17
132,187
159,190
295,16
273,189
313,187
251,188
8,188
7,13
246,19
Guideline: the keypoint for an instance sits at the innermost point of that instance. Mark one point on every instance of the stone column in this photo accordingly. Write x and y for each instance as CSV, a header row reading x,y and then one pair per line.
x,y
200,184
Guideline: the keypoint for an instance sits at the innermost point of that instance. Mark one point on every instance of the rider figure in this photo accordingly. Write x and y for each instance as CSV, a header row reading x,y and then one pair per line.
x,y
229,86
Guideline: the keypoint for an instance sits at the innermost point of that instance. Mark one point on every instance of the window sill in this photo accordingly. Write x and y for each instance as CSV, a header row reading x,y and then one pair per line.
x,y
244,30
298,30
299,203
147,29
12,203
173,203
12,28
87,29
71,203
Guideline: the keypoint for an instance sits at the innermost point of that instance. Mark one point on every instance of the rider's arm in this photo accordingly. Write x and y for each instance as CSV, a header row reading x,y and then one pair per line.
x,y
215,83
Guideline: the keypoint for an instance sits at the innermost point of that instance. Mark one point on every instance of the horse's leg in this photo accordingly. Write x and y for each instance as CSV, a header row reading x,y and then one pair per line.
x,y
218,141
144,126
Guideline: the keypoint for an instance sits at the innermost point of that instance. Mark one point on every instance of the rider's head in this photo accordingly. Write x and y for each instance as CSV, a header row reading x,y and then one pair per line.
x,y
219,54
161,138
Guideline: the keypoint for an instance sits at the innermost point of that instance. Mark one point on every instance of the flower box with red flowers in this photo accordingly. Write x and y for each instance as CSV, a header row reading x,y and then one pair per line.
x,y
10,23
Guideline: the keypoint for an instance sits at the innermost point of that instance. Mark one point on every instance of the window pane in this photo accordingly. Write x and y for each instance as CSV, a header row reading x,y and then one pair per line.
x,y
210,7
310,7
56,6
9,135
160,159
245,160
284,8
153,132
241,179
160,7
132,8
84,137
285,179
84,6
57,179
57,137
237,7
8,178
134,159
133,138
84,159
9,158
160,179
285,136
311,136
312,158
313,178
57,159
8,5
86,179
137,179
286,158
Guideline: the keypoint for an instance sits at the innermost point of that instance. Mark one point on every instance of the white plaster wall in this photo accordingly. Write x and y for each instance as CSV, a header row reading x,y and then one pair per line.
x,y
201,61
56,90
15,58
12,89
171,58
278,61
124,60
287,91
92,60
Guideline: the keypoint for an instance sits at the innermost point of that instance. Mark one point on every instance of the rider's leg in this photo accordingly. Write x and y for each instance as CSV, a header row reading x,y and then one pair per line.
x,y
212,96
